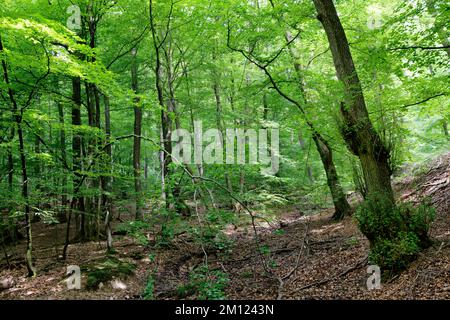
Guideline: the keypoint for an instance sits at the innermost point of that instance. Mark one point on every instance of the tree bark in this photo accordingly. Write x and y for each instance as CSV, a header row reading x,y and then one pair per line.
x,y
137,139
358,131
341,205
77,202
11,160
166,121
107,185
62,141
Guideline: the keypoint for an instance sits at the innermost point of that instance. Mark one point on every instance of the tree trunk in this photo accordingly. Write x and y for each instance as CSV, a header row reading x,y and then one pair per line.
x,y
77,203
219,121
29,257
166,121
62,141
358,131
137,139
11,160
342,208
341,205
107,180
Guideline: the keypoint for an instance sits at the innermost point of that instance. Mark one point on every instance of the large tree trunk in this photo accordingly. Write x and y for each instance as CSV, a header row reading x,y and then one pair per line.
x,y
358,131
137,140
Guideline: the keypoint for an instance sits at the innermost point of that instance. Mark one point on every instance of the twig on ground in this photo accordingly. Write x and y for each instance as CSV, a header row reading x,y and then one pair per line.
x,y
321,282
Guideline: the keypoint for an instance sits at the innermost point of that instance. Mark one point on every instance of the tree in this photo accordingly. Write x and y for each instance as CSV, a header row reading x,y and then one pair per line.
x,y
358,131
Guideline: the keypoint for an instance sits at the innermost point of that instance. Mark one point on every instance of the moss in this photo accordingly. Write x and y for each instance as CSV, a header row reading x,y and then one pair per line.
x,y
397,233
107,270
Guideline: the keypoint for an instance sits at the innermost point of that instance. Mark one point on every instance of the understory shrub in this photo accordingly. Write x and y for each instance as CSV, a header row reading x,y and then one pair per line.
x,y
207,284
397,233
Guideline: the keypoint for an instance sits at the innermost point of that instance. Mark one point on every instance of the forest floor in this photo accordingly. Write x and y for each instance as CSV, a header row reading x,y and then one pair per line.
x,y
311,258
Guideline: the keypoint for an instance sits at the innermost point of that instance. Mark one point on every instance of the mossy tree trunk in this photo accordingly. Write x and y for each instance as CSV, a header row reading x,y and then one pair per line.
x,y
358,131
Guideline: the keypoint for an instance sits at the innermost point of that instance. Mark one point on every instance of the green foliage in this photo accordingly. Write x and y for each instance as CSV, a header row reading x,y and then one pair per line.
x,y
210,233
207,284
396,232
135,229
149,288
106,270
170,223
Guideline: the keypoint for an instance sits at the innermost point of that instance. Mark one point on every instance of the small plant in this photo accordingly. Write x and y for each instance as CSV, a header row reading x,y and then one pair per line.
x,y
211,233
265,250
149,288
135,229
279,232
353,241
170,223
247,274
207,284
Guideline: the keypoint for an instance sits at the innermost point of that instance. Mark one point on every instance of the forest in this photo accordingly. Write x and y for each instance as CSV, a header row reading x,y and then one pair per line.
x,y
224,150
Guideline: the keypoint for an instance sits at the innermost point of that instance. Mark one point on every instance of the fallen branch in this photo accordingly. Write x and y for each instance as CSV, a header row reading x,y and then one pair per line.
x,y
305,247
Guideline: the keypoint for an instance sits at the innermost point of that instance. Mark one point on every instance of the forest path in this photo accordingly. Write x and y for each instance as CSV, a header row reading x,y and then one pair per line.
x,y
314,257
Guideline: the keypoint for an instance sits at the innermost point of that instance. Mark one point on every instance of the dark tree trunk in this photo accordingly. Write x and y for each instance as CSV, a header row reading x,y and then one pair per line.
x,y
137,140
358,131
77,203
166,121
107,180
11,161
342,208
30,267
62,141
341,205
445,127
219,120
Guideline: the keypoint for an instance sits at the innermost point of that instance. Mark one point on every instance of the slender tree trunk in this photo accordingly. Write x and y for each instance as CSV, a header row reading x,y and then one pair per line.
x,y
62,141
11,160
77,203
166,121
29,257
219,119
137,139
358,131
341,205
38,173
108,150
302,143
